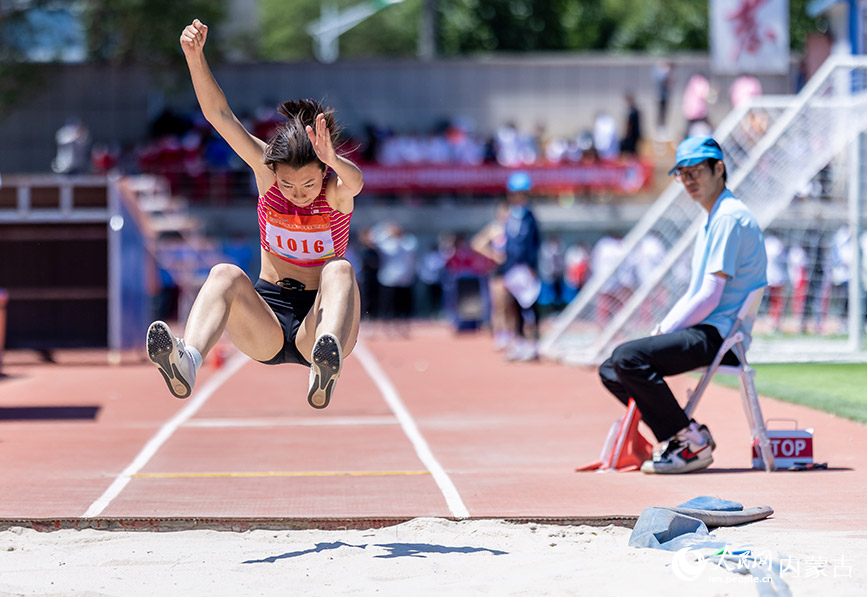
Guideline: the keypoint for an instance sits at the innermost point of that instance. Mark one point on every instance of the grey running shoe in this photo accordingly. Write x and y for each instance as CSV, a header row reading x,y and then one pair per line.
x,y
679,456
324,370
167,353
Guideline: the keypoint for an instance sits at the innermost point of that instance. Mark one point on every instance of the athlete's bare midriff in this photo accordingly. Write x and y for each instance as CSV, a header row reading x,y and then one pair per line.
x,y
274,269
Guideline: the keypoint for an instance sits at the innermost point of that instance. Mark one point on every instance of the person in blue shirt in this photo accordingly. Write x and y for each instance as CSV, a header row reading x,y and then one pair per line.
x,y
728,262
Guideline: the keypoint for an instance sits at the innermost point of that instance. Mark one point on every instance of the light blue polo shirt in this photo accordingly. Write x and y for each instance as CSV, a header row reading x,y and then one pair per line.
x,y
730,242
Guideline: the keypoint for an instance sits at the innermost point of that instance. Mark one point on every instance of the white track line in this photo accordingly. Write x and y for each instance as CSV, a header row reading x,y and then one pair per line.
x,y
450,493
214,382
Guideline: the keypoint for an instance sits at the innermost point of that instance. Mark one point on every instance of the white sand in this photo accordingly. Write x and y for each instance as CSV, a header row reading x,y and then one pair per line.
x,y
420,557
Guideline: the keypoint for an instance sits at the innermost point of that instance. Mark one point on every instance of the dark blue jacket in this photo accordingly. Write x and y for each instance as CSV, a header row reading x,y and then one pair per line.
x,y
522,239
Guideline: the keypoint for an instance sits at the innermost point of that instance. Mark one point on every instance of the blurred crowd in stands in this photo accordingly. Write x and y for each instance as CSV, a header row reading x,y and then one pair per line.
x,y
199,163
457,142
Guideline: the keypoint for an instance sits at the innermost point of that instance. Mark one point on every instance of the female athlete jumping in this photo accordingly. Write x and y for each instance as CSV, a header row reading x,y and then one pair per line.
x,y
305,306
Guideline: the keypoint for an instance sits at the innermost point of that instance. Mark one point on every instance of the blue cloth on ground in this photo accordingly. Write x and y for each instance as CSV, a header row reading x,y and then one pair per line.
x,y
706,502
660,528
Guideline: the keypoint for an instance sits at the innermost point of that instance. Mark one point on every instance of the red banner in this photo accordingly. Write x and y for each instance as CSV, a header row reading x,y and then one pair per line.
x,y
615,177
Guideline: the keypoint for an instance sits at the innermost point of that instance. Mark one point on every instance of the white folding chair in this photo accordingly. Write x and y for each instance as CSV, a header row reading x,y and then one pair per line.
x,y
749,397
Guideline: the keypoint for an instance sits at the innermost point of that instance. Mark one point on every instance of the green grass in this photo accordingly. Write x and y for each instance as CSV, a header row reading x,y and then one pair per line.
x,y
840,389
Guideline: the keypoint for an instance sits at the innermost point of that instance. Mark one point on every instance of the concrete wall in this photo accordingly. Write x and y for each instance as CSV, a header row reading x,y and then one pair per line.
x,y
561,92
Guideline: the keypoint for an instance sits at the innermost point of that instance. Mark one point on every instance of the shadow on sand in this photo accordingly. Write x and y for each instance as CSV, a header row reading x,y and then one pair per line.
x,y
395,550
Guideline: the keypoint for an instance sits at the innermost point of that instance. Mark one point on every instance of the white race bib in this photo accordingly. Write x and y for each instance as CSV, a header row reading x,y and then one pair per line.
x,y
299,237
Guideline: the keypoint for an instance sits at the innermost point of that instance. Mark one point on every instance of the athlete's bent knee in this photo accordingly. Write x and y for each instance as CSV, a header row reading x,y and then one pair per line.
x,y
227,274
337,269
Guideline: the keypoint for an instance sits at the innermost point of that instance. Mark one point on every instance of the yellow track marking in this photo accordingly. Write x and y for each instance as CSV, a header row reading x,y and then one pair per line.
x,y
279,474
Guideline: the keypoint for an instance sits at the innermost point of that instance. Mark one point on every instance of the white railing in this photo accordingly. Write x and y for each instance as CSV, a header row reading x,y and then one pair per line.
x,y
773,147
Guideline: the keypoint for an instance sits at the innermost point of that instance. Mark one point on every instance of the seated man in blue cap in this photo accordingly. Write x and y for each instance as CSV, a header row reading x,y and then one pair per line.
x,y
728,263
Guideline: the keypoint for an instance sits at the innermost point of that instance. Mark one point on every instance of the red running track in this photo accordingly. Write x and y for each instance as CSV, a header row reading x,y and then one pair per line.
x,y
434,425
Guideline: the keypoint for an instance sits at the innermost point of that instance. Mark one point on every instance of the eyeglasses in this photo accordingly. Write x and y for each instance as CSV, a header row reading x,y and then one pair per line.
x,y
689,174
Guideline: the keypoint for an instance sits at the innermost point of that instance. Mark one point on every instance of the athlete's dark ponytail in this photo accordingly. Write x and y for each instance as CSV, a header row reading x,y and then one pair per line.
x,y
290,144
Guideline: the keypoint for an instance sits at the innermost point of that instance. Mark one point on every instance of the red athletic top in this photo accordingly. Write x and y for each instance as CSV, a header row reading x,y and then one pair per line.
x,y
307,236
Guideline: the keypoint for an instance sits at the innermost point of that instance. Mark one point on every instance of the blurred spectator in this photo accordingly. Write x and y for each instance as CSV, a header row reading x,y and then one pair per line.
x,y
462,260
402,149
696,97
841,259
778,278
662,79
520,267
796,268
368,274
514,148
431,271
743,89
490,241
105,158
606,254
606,139
639,268
73,148
465,148
390,152
506,145
818,280
466,296
558,149
436,149
398,253
632,135
540,141
552,268
577,269
586,148
373,137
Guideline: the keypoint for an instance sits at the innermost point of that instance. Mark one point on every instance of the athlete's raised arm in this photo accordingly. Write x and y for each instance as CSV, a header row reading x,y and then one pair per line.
x,y
213,102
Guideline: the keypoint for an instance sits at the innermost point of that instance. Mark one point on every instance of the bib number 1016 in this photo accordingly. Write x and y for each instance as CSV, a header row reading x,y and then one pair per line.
x,y
292,245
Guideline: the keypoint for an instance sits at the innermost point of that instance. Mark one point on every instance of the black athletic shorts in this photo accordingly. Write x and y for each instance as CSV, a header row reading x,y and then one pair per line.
x,y
290,306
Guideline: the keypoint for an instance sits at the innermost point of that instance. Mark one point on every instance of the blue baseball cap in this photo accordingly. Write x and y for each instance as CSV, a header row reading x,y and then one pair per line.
x,y
519,181
694,150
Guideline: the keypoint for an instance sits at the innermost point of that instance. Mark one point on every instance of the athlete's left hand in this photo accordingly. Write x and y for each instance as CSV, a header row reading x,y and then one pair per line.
x,y
321,140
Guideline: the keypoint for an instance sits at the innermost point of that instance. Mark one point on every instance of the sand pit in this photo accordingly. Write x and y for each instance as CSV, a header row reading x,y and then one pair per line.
x,y
423,556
